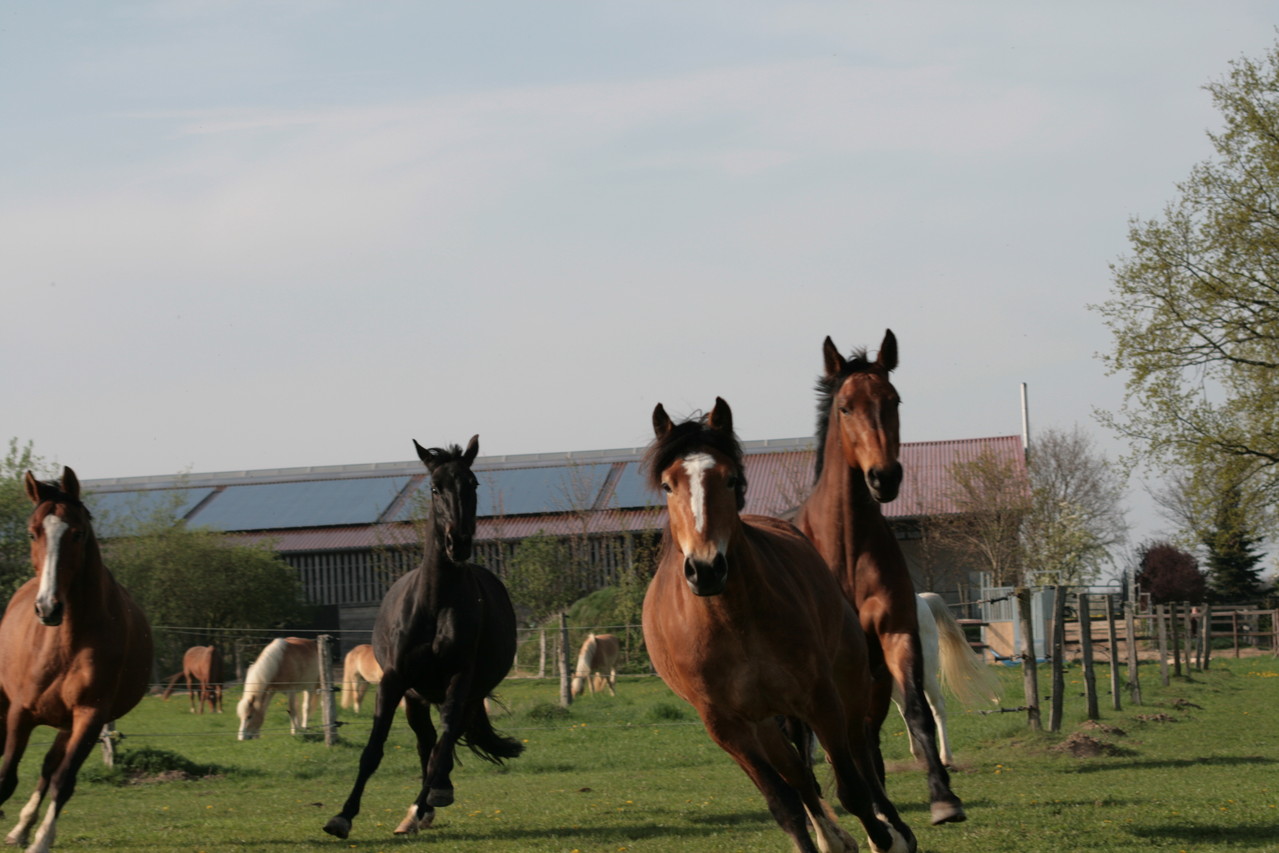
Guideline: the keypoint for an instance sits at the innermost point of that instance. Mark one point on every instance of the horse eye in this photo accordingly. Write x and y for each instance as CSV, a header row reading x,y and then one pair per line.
x,y
731,482
666,487
843,410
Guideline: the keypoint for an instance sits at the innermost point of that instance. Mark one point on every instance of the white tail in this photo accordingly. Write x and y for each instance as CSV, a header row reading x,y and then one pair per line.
x,y
963,672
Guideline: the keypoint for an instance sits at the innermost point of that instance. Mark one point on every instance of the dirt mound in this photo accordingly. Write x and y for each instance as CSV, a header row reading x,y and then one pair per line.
x,y
1081,745
1156,718
1102,727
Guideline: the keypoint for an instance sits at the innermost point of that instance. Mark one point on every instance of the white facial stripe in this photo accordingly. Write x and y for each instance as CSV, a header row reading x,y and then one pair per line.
x,y
54,529
695,466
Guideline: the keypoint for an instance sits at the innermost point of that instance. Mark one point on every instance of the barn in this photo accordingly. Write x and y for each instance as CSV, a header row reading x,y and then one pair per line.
x,y
349,530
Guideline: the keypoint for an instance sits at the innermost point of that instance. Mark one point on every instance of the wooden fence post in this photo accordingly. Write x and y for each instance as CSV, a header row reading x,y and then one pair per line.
x,y
1134,674
1112,638
1058,663
1234,630
1188,631
328,701
541,660
1162,628
566,695
1175,637
1205,633
1085,649
1030,679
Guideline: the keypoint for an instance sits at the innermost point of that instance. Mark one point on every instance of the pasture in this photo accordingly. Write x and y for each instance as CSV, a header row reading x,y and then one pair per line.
x,y
1195,768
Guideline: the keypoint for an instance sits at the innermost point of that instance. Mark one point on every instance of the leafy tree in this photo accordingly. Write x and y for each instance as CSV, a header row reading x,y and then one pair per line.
x,y
1076,517
15,510
539,577
990,499
1168,574
1194,310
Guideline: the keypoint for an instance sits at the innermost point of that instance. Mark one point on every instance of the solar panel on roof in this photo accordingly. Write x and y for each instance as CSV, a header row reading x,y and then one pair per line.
x,y
632,491
530,491
320,503
113,511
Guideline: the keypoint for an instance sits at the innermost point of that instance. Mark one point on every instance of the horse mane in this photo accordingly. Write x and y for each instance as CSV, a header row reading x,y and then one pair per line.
x,y
687,437
58,496
826,386
263,670
452,453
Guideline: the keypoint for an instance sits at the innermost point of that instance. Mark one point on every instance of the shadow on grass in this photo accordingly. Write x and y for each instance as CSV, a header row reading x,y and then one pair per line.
x,y
1260,837
1176,763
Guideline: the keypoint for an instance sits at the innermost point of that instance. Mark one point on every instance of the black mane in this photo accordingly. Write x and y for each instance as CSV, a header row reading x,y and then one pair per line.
x,y
826,386
687,437
52,493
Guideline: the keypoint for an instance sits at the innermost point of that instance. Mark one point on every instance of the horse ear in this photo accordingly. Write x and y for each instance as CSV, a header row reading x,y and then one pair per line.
x,y
661,421
70,483
32,486
472,449
721,417
427,457
834,361
887,358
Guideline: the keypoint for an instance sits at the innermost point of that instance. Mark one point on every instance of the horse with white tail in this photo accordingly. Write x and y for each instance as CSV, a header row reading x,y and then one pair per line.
x,y
949,662
597,665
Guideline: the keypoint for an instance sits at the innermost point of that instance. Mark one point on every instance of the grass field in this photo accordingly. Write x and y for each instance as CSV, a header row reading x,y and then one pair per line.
x,y
1195,768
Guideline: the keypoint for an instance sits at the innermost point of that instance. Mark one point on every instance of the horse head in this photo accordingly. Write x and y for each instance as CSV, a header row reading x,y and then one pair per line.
x,y
252,712
62,541
453,496
698,465
859,403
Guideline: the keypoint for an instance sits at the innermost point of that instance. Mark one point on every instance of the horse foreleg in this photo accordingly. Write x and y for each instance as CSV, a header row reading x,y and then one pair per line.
x,y
22,830
61,776
902,655
17,732
421,813
388,696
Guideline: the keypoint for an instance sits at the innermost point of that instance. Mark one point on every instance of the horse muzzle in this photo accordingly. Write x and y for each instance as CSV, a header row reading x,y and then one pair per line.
x,y
884,483
706,578
50,615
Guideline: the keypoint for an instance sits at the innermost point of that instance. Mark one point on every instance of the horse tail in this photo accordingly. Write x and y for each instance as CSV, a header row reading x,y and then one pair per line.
x,y
348,683
962,670
168,690
487,743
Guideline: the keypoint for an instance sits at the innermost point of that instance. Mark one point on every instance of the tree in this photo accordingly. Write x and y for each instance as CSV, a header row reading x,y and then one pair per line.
x,y
990,500
1234,560
15,510
1194,310
1076,517
1168,574
538,578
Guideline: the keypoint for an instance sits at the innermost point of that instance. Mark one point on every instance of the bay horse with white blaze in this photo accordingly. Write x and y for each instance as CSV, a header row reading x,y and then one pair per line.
x,y
202,670
444,635
75,654
744,621
858,469
288,665
598,655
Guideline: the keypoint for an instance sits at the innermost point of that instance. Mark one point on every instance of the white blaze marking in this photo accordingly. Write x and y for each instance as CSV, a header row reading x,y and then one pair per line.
x,y
54,529
696,466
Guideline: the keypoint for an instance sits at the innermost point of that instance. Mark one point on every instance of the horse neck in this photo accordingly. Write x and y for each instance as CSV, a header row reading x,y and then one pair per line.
x,y
435,573
848,503
91,590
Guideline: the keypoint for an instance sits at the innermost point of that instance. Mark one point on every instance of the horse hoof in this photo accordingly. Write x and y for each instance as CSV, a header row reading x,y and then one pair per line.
x,y
339,826
411,825
440,797
947,813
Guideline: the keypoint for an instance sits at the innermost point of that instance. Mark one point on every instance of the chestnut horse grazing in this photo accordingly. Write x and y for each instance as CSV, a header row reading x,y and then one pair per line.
x,y
202,668
289,665
444,635
598,655
75,654
359,669
744,621
857,470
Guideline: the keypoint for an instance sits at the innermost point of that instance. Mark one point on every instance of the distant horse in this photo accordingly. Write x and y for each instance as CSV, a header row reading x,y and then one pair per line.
x,y
949,661
744,621
598,655
202,668
75,654
445,635
857,470
289,665
359,669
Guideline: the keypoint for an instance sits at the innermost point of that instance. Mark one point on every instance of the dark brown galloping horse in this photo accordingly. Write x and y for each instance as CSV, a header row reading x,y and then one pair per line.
x,y
75,654
857,470
202,669
745,622
444,635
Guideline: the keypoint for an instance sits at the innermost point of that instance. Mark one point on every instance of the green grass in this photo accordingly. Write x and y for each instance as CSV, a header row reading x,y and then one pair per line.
x,y
638,773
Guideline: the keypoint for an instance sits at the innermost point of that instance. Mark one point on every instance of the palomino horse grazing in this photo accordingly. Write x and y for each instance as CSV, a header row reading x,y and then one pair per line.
x,y
857,470
949,661
445,635
75,654
290,665
202,668
745,622
598,655
359,669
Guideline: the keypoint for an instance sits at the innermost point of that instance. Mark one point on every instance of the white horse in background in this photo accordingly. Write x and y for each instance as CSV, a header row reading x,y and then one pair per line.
x,y
962,671
599,655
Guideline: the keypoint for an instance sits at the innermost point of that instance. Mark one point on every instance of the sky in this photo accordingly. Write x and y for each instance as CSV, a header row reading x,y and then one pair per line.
x,y
289,233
